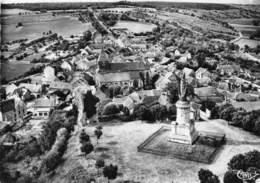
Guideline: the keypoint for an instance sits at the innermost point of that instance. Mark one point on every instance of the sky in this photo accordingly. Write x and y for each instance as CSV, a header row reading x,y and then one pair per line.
x,y
198,1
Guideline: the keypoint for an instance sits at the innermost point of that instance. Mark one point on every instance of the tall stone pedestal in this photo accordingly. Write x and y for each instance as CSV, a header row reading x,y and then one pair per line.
x,y
183,129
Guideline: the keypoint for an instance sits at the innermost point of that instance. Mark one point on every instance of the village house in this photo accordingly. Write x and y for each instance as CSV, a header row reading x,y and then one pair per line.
x,y
228,69
20,109
7,110
209,93
59,85
35,89
120,74
42,108
66,66
163,81
48,74
202,72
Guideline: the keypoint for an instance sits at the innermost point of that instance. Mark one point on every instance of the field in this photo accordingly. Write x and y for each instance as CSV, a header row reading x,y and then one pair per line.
x,y
244,25
135,27
119,142
245,41
195,23
35,24
12,70
119,9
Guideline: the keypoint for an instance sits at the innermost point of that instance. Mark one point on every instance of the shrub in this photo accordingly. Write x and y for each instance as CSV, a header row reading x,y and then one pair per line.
x,y
231,177
206,176
90,102
237,162
98,132
83,138
252,159
248,122
110,171
100,163
54,156
111,108
87,148
51,161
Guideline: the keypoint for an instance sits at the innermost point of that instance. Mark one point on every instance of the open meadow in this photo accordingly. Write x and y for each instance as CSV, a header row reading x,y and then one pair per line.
x,y
135,27
34,25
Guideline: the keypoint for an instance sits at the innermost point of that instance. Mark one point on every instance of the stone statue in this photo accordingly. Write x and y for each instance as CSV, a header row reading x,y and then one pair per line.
x,y
182,87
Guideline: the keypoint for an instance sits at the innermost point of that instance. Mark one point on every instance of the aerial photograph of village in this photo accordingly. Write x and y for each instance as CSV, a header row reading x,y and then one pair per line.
x,y
130,91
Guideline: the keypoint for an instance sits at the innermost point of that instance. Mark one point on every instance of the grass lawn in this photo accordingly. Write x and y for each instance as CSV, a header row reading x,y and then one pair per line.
x,y
119,142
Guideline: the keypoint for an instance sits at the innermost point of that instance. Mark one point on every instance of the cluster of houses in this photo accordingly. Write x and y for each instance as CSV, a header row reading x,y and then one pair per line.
x,y
125,62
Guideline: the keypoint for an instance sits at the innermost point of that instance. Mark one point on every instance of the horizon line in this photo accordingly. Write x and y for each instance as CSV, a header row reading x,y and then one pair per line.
x,y
131,1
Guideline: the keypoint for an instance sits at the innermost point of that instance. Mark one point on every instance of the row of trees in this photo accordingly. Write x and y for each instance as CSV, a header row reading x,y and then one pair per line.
x,y
153,112
54,138
248,162
109,171
108,19
249,121
54,156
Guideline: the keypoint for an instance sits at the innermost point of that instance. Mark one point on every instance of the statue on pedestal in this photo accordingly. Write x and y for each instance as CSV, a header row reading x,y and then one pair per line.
x,y
182,87
183,129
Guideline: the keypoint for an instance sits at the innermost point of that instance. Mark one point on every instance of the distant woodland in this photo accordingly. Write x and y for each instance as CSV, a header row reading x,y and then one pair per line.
x,y
81,5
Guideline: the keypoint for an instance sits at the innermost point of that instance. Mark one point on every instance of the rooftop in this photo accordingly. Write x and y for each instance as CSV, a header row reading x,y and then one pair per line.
x,y
7,105
126,67
117,77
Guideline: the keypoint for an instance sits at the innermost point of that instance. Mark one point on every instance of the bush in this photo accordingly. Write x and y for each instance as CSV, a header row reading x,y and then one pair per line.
x,y
248,122
110,171
54,156
111,108
51,161
100,163
206,176
87,148
252,159
231,177
238,162
84,138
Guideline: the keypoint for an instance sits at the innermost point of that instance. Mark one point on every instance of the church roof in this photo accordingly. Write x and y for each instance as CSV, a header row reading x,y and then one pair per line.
x,y
103,56
117,77
126,67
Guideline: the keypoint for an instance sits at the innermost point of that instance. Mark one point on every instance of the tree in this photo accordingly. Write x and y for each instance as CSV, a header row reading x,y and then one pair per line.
x,y
248,122
246,47
252,159
83,138
100,163
227,113
147,115
87,148
135,83
147,80
110,109
110,172
87,35
90,102
237,162
231,177
237,118
19,24
98,132
257,127
172,90
206,176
